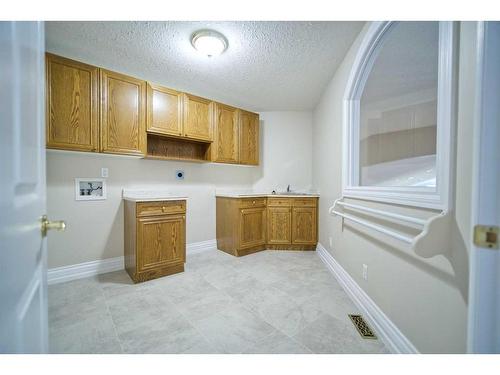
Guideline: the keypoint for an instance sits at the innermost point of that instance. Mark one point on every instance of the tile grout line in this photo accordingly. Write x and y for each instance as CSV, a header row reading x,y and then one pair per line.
x,y
276,329
194,326
112,320
202,335
249,309
199,332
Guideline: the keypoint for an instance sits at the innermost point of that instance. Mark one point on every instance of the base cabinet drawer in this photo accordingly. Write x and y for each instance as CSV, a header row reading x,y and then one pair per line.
x,y
155,241
253,202
160,208
305,202
279,202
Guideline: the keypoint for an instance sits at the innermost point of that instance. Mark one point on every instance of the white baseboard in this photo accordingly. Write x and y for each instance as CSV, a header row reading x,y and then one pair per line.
x,y
97,267
386,330
200,247
82,270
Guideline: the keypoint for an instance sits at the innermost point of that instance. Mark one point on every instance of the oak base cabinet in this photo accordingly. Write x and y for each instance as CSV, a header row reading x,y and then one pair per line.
x,y
155,239
248,225
241,225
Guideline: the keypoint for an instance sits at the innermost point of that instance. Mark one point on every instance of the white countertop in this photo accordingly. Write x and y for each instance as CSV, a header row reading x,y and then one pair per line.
x,y
144,195
251,194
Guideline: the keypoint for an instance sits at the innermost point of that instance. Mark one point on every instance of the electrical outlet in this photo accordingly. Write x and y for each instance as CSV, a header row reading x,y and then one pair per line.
x,y
330,241
104,172
365,271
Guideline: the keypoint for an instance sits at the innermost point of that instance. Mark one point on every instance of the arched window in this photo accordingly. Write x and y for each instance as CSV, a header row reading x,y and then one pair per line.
x,y
398,114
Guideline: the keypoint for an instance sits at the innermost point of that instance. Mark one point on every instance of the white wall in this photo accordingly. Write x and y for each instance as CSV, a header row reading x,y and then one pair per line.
x,y
425,298
286,157
95,228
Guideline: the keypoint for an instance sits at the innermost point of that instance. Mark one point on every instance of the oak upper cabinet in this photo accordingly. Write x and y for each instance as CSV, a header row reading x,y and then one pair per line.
x,y
72,99
252,227
94,109
155,238
197,118
123,114
164,111
225,148
304,222
249,137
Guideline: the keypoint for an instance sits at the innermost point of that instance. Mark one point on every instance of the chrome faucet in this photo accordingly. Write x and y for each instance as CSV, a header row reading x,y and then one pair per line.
x,y
288,190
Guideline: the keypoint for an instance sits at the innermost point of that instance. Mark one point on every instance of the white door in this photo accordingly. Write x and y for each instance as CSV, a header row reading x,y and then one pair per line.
x,y
484,290
23,285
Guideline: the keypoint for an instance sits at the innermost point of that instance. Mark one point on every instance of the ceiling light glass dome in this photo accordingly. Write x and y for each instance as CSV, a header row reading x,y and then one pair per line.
x,y
209,42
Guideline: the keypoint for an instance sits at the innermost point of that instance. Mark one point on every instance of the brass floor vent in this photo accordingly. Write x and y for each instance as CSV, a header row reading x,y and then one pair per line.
x,y
363,328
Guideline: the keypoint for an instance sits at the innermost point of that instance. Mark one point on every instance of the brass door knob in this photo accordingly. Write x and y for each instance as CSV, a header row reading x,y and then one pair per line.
x,y
46,225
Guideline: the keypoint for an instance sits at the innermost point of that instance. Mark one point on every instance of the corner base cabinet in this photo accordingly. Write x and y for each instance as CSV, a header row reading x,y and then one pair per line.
x,y
155,239
248,225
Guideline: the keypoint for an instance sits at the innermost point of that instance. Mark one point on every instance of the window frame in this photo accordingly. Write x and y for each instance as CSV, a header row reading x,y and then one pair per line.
x,y
437,197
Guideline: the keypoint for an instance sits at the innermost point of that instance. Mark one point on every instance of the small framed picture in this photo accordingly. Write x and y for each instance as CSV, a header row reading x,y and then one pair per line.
x,y
90,189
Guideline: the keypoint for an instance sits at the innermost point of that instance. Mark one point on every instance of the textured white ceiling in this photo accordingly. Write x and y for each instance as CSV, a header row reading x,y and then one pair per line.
x,y
268,65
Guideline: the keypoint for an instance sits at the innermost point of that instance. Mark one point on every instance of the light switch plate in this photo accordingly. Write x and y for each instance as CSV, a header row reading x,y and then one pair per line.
x,y
104,172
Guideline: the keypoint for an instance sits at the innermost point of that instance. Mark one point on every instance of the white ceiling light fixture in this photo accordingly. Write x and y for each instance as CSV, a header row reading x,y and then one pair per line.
x,y
209,42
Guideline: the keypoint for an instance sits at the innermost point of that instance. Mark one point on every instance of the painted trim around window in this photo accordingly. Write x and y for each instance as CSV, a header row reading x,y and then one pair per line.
x,y
427,197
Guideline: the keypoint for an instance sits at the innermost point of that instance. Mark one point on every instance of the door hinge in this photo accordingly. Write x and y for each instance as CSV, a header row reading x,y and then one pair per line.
x,y
486,236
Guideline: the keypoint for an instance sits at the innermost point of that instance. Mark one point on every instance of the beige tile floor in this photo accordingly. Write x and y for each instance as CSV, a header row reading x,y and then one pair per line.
x,y
268,302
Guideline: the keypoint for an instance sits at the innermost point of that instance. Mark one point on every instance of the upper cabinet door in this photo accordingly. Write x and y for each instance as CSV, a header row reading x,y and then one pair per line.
x,y
72,100
225,147
164,111
198,119
123,114
249,138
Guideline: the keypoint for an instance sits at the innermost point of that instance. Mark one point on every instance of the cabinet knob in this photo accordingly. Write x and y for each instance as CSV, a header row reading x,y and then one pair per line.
x,y
164,208
253,202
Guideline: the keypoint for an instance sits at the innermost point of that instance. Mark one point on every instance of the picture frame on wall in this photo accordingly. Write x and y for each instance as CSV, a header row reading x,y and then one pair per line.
x,y
90,189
